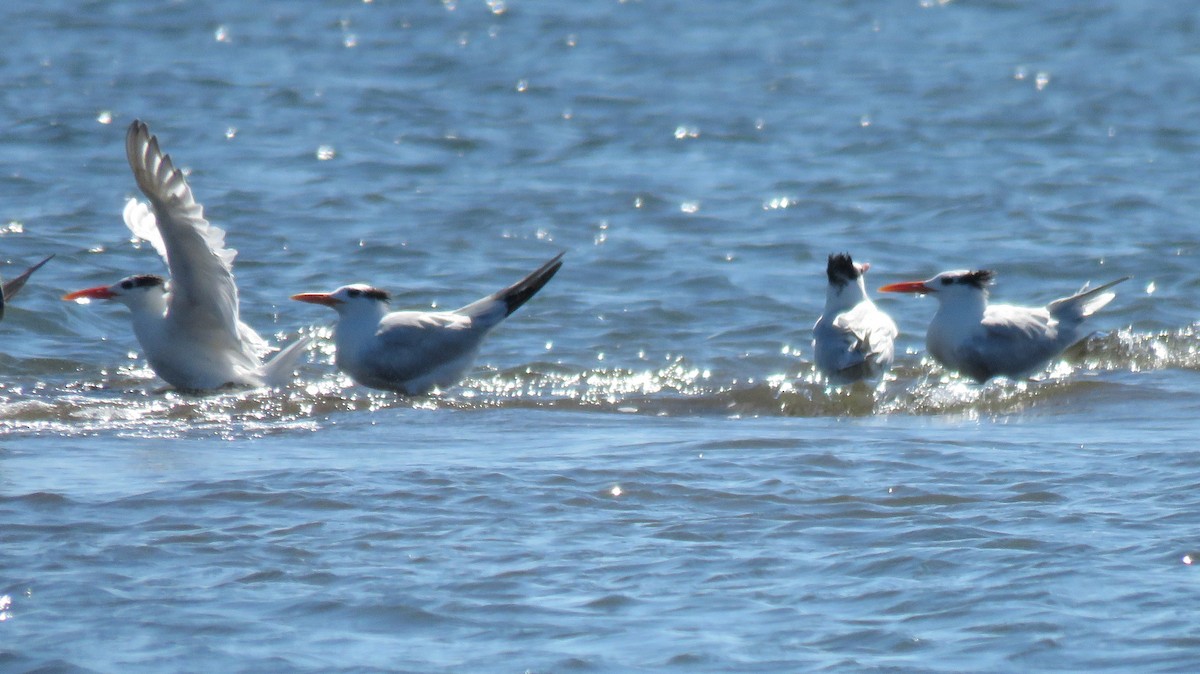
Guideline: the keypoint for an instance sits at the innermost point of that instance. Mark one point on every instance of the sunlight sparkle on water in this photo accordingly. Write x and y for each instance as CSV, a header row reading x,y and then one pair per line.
x,y
684,132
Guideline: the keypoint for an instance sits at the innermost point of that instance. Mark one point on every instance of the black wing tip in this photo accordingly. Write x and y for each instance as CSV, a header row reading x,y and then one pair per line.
x,y
518,294
39,265
137,129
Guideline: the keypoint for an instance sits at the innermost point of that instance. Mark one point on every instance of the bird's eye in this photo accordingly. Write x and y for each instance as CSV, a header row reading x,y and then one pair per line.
x,y
946,281
127,284
354,292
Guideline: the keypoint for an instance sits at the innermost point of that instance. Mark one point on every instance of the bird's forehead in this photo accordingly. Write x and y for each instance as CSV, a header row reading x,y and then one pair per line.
x,y
362,290
955,273
142,281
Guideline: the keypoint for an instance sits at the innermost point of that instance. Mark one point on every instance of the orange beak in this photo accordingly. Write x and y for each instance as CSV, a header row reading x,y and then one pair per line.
x,y
97,293
906,287
324,299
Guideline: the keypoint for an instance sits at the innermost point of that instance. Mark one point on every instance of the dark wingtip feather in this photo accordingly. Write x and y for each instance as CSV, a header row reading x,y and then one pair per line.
x,y
519,293
10,288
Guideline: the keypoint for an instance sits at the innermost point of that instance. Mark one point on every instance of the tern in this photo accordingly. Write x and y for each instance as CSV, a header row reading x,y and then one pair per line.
x,y
852,340
11,287
982,341
414,352
188,328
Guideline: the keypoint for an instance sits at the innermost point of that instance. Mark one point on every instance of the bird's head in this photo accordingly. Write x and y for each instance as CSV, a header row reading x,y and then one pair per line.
x,y
351,298
846,286
132,291
948,284
842,270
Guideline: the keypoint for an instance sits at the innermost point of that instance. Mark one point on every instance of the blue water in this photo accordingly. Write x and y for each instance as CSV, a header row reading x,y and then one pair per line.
x,y
643,472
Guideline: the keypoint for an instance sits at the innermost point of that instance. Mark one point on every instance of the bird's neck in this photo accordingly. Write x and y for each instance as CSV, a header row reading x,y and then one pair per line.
x,y
149,321
149,308
962,309
841,297
360,323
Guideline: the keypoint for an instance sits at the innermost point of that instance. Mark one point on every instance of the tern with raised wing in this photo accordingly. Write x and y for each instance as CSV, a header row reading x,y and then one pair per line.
x,y
983,340
853,339
188,327
11,287
414,352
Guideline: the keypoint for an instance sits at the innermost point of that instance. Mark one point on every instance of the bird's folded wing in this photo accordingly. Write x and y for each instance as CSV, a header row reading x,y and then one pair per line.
x,y
840,333
201,267
411,343
873,333
1014,339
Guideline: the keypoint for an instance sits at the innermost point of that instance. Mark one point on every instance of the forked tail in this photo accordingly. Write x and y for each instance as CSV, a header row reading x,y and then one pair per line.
x,y
278,371
1085,302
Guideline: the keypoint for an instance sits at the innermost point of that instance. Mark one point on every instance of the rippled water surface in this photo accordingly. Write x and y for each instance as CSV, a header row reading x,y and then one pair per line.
x,y
643,471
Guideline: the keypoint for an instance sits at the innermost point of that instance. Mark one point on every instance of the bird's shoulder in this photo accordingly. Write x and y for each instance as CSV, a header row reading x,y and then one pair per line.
x,y
1006,321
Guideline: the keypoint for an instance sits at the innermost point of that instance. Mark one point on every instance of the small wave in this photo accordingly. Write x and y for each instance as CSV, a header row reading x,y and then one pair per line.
x,y
127,402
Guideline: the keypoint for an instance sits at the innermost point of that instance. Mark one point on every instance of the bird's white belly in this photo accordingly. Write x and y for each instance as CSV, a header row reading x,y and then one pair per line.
x,y
188,360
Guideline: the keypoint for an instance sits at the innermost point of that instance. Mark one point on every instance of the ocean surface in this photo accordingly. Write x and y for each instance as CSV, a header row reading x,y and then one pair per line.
x,y
643,472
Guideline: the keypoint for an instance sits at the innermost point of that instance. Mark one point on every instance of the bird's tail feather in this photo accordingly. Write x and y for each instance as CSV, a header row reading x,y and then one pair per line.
x,y
278,370
1086,302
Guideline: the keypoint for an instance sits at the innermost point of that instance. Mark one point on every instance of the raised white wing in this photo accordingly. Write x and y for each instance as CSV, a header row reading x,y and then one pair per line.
x,y
141,222
203,292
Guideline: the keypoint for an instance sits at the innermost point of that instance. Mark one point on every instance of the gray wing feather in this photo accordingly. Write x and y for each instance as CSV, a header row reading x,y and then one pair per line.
x,y
412,343
203,290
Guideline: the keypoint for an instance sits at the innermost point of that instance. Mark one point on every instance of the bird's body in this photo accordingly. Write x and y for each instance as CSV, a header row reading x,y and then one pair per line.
x,y
191,333
11,287
853,339
982,340
414,352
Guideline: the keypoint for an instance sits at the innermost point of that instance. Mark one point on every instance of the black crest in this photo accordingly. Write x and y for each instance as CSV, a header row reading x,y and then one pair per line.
x,y
371,294
143,281
841,269
979,279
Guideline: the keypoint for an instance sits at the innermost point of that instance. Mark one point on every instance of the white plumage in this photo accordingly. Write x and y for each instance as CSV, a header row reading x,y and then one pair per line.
x,y
413,352
853,339
190,332
983,340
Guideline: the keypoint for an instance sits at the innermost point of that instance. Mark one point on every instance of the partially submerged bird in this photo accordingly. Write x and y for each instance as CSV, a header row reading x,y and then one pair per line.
x,y
11,287
983,341
413,352
189,328
852,340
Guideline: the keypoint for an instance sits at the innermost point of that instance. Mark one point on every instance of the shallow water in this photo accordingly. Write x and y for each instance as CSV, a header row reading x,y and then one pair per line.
x,y
643,472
